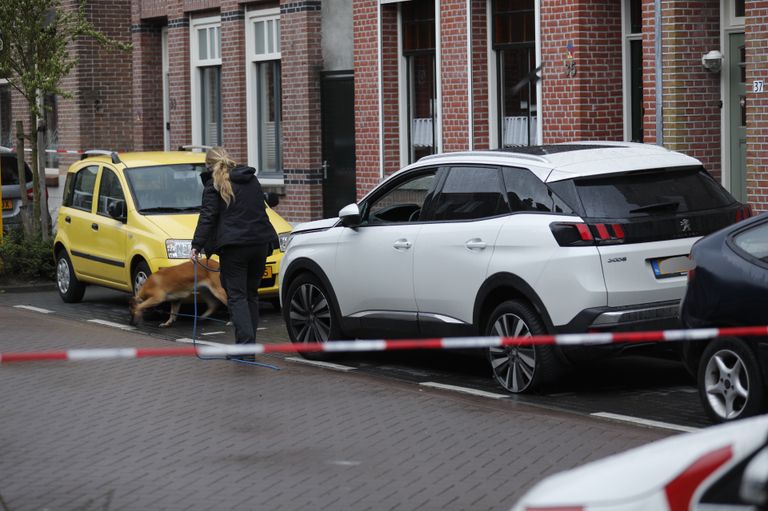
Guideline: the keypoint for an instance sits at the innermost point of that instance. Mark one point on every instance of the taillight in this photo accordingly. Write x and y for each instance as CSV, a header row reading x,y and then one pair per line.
x,y
31,194
576,234
743,212
681,489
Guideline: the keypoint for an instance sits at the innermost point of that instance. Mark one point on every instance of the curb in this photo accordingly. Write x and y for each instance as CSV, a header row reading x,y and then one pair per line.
x,y
27,288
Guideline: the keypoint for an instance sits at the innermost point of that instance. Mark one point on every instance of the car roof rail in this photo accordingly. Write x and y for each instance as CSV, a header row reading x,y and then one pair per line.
x,y
101,152
195,147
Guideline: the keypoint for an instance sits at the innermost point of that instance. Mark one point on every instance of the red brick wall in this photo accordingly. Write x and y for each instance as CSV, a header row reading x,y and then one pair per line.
x,y
233,103
455,75
756,37
480,84
147,120
691,94
301,61
589,104
178,76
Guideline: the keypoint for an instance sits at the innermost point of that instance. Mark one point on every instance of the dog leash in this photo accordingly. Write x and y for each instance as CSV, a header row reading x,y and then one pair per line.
x,y
194,330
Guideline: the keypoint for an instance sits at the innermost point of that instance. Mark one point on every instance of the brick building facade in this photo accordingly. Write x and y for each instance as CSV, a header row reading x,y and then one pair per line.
x,y
327,97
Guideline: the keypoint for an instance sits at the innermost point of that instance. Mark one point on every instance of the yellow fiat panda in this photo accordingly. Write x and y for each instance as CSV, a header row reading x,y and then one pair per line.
x,y
124,216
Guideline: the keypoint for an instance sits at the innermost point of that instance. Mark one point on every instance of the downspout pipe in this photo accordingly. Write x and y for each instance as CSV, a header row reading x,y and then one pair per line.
x,y
659,77
381,90
470,105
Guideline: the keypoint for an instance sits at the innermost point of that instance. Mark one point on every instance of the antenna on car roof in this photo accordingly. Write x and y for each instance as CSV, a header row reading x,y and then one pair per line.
x,y
195,147
101,152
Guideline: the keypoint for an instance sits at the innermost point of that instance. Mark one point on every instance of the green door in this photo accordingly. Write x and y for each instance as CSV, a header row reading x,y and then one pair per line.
x,y
737,101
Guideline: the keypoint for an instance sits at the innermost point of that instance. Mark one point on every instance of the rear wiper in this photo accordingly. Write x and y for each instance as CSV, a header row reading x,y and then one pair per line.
x,y
169,209
659,206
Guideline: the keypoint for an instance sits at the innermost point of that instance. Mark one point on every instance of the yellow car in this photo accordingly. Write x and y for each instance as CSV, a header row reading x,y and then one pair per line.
x,y
124,216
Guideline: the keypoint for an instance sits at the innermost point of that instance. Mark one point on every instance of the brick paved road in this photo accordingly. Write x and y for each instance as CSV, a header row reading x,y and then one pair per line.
x,y
167,434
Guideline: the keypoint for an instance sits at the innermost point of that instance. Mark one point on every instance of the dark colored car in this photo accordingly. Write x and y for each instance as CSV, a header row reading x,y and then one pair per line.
x,y
9,179
728,287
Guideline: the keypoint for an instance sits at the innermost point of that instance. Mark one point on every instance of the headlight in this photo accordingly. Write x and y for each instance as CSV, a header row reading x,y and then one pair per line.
x,y
285,238
178,249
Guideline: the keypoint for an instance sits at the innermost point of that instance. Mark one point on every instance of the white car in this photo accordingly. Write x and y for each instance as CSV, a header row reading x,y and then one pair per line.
x,y
721,468
534,240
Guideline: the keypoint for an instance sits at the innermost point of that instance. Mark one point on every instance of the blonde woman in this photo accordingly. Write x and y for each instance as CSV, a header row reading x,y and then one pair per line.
x,y
234,224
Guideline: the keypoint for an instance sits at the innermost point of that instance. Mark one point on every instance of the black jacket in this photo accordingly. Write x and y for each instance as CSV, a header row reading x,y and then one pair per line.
x,y
244,222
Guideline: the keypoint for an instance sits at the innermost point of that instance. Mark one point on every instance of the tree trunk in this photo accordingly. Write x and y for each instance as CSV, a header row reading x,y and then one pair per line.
x,y
45,215
35,173
24,210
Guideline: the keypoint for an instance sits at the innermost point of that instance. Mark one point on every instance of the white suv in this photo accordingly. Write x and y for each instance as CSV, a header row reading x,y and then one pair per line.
x,y
545,239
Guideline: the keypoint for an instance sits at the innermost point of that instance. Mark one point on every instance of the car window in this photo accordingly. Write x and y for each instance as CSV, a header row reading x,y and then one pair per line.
x,y
526,192
82,188
647,193
110,191
469,193
9,171
403,203
166,188
754,241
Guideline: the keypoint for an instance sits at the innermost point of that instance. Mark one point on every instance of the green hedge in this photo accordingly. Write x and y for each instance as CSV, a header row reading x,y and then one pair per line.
x,y
24,258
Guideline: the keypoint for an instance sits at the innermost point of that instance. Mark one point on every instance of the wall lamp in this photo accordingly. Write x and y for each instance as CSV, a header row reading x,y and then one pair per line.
x,y
712,61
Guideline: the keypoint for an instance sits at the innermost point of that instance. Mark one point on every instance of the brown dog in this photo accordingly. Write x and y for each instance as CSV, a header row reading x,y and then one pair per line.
x,y
175,283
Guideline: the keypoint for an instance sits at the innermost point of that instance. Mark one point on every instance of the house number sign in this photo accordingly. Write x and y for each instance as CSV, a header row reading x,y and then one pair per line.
x,y
758,85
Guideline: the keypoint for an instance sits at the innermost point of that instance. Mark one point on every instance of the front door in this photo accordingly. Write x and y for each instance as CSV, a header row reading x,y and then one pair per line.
x,y
737,73
338,125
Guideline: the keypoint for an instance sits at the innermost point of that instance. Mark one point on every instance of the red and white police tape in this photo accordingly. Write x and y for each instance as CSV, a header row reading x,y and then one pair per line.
x,y
590,339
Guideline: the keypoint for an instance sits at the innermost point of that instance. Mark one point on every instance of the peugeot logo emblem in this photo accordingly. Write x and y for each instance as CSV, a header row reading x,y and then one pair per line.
x,y
685,225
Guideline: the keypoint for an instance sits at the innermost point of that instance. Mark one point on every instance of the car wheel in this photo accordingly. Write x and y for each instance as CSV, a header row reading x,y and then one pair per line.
x,y
730,382
140,275
520,368
70,289
310,314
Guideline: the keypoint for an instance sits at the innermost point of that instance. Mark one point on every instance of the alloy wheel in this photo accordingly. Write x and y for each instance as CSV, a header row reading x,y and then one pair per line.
x,y
62,275
138,280
727,384
513,366
310,314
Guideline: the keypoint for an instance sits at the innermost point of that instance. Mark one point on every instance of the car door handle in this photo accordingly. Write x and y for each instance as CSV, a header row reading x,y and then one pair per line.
x,y
67,219
476,244
95,226
402,244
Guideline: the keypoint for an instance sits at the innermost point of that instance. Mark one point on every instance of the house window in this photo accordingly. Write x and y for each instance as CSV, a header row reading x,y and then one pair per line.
x,y
418,22
514,42
206,81
264,92
633,73
6,116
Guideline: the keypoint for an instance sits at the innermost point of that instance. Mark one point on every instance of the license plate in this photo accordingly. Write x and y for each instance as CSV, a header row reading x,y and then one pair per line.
x,y
267,272
667,267
7,204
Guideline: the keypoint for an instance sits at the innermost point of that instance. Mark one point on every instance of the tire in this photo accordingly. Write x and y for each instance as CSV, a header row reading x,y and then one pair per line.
x,y
139,275
71,290
729,380
310,314
520,369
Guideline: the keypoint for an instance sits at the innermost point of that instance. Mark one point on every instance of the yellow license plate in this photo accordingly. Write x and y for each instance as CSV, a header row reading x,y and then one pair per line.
x,y
267,272
7,204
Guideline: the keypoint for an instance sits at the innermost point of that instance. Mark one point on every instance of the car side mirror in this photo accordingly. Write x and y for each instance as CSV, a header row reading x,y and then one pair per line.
x,y
116,209
754,483
272,199
350,215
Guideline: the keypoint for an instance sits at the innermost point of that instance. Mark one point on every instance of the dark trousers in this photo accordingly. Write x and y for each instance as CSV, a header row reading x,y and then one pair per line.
x,y
241,270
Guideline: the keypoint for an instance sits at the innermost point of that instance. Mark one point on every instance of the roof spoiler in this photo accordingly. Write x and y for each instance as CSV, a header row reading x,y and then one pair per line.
x,y
101,152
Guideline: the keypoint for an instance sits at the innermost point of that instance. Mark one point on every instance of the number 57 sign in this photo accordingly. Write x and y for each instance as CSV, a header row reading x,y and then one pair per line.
x,y
758,86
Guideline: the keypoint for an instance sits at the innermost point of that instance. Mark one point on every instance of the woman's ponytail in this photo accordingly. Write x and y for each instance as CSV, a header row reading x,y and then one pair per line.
x,y
218,160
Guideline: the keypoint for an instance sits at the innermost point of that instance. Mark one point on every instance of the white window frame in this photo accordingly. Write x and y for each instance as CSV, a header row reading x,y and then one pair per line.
x,y
729,24
195,62
166,93
251,99
493,77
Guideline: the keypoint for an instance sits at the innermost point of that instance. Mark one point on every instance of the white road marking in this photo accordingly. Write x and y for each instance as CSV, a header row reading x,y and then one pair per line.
x,y
35,309
112,324
344,463
644,422
320,363
214,333
463,390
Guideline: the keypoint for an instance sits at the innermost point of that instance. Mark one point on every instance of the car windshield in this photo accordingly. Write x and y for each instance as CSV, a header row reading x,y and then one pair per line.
x,y
166,188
